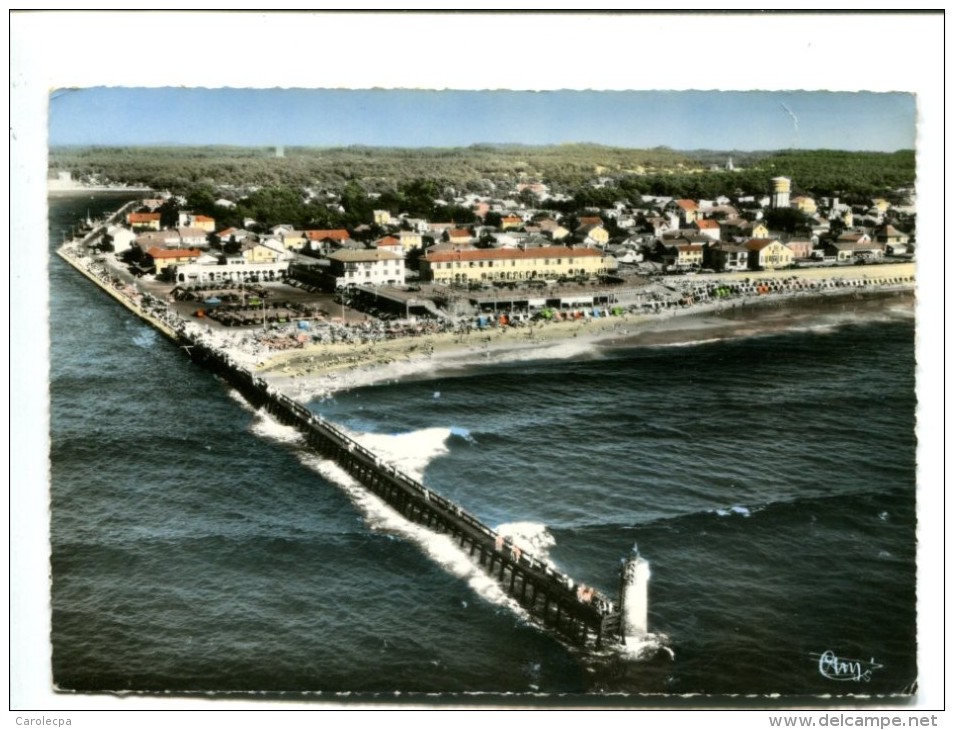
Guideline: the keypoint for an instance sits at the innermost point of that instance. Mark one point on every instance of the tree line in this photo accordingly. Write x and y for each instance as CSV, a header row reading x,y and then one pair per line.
x,y
361,179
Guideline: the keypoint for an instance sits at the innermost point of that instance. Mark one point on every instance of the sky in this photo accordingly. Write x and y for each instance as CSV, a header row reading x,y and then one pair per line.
x,y
683,120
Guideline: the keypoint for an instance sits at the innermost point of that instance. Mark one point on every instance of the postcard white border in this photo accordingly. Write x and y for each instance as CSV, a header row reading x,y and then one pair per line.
x,y
690,50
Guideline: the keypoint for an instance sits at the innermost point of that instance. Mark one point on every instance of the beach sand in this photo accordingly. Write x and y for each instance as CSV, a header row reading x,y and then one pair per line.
x,y
319,370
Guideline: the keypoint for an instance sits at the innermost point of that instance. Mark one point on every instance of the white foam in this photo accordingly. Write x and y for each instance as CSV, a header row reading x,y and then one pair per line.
x,y
531,537
238,398
267,427
562,350
408,452
689,343
440,548
645,647
734,510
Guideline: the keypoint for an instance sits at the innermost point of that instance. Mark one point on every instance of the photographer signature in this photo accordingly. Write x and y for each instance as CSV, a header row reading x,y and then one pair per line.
x,y
841,669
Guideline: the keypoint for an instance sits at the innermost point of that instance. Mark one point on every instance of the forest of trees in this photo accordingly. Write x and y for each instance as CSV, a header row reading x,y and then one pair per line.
x,y
270,188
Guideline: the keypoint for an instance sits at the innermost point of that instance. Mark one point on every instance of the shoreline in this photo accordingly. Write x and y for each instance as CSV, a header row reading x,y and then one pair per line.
x,y
79,189
319,371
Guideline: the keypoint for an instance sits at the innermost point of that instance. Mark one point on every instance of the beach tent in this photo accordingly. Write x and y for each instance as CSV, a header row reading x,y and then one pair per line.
x,y
303,325
212,301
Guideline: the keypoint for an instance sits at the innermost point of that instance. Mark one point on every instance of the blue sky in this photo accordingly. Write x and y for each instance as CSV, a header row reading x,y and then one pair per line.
x,y
412,118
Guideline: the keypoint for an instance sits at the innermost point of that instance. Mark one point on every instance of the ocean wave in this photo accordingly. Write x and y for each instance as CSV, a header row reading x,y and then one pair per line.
x,y
646,647
564,350
236,396
409,452
442,549
736,509
531,537
689,343
267,427
463,434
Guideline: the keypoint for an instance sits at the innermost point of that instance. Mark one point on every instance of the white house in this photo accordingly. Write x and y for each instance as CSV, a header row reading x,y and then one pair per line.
x,y
122,238
371,266
200,273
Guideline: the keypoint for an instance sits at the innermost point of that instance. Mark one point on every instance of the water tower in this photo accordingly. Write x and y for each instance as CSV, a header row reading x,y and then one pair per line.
x,y
781,188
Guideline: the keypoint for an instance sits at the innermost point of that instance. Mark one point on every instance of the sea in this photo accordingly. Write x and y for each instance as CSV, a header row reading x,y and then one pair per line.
x,y
197,546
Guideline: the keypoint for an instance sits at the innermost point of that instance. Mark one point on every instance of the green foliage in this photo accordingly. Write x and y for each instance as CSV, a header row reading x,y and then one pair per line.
x,y
201,200
454,213
182,169
418,197
232,246
358,207
789,220
169,213
409,180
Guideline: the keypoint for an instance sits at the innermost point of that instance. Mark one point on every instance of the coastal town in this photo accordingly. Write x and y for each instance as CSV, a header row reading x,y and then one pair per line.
x,y
520,263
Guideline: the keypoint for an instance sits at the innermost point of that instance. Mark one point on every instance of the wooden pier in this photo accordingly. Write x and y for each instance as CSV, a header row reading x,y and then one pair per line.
x,y
578,614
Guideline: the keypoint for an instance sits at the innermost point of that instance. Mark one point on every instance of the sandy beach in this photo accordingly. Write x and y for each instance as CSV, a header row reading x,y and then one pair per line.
x,y
360,355
317,371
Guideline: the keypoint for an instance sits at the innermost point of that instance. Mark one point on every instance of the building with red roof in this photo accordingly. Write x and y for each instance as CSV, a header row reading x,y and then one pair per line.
x,y
514,264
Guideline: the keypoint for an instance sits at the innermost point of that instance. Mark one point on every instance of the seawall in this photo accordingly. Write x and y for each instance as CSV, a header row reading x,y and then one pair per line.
x,y
131,303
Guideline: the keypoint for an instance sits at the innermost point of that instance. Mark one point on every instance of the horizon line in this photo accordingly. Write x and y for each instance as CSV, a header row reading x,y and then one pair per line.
x,y
531,145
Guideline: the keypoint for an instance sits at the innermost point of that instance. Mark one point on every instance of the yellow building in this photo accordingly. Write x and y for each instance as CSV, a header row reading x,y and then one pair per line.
x,y
382,217
768,253
143,220
166,257
684,255
592,234
688,211
259,254
411,240
755,229
805,204
204,222
514,264
292,240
